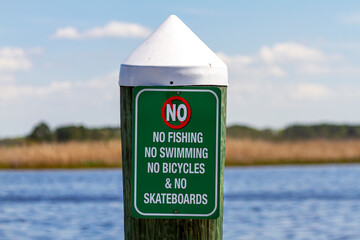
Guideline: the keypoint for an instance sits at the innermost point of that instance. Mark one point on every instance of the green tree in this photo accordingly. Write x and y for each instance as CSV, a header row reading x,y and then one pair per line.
x,y
72,133
41,133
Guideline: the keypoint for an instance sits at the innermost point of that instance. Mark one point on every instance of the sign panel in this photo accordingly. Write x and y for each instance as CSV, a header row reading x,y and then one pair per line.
x,y
176,152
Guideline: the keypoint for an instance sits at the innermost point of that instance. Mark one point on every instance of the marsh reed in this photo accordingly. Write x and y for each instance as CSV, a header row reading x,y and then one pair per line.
x,y
254,152
238,152
62,155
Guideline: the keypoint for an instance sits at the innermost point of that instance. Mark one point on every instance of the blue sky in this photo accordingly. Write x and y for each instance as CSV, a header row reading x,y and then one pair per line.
x,y
289,61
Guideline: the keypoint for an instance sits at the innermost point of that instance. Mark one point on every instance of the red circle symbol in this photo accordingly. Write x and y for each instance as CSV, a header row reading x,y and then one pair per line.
x,y
175,112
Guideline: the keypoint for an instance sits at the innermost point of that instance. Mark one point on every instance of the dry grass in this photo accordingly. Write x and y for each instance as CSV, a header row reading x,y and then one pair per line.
x,y
251,152
238,152
62,155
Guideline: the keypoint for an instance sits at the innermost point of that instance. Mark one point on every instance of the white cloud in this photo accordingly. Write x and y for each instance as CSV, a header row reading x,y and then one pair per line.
x,y
67,33
111,29
280,60
93,102
13,59
6,78
290,82
311,91
251,66
14,92
293,52
237,59
276,73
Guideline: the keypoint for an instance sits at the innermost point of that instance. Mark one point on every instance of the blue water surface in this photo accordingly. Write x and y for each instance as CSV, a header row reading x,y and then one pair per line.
x,y
286,202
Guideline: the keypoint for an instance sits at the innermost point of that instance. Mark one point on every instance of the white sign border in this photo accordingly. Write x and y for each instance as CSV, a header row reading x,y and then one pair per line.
x,y
216,154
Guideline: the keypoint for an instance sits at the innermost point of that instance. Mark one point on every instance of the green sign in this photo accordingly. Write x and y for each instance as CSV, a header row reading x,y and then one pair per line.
x,y
176,152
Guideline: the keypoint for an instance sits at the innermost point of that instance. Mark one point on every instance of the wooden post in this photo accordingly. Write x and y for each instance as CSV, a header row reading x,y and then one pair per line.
x,y
162,65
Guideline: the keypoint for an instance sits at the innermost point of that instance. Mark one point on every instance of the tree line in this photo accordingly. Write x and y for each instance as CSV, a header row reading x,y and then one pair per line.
x,y
43,133
297,132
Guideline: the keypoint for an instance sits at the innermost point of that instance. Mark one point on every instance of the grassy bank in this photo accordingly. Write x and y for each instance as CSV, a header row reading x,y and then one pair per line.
x,y
260,152
62,155
239,152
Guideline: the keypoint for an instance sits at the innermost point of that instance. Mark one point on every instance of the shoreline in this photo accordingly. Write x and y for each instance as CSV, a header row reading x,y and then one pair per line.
x,y
228,165
239,152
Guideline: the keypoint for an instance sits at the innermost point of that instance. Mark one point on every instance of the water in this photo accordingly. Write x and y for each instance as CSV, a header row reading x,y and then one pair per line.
x,y
309,202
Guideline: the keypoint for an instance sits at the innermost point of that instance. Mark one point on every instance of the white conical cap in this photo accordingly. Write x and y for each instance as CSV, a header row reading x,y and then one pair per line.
x,y
173,56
